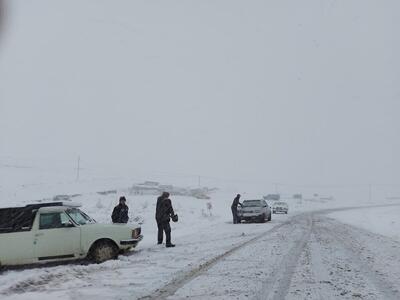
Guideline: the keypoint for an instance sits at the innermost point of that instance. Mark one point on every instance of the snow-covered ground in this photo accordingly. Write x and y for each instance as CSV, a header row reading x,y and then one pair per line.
x,y
200,235
302,255
380,220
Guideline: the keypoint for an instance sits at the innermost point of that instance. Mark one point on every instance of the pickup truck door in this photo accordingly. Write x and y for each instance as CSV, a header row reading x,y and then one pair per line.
x,y
57,237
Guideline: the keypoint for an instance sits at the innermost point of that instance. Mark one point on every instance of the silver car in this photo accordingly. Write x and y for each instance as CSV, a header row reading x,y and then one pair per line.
x,y
254,210
280,207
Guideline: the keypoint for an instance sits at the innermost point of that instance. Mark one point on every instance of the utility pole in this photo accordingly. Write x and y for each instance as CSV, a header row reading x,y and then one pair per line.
x,y
78,168
370,192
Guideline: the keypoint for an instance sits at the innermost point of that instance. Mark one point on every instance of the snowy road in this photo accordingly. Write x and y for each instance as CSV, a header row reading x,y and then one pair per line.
x,y
306,256
310,256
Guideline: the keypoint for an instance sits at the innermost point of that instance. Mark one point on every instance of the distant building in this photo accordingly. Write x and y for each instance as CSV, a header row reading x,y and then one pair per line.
x,y
150,183
107,192
166,188
155,188
272,197
146,188
328,198
61,198
200,193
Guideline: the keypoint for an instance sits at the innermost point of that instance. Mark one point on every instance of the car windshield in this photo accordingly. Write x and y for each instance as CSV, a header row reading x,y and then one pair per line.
x,y
252,203
79,217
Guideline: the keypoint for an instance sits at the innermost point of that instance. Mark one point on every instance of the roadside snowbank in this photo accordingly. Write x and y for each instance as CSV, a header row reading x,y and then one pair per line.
x,y
382,220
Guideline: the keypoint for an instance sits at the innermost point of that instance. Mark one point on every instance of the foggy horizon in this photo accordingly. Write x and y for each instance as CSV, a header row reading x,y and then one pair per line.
x,y
276,92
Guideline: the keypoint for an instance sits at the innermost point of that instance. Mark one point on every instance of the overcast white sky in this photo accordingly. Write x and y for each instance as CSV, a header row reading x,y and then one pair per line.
x,y
287,91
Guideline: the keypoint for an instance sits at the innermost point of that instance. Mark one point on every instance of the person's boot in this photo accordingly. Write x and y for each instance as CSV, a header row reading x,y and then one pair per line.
x,y
170,245
159,243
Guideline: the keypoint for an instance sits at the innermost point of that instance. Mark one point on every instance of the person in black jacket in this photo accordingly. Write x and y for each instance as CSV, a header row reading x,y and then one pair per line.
x,y
164,211
234,206
120,212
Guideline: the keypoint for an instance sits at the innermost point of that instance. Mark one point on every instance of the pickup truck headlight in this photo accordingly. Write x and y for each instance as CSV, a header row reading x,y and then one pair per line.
x,y
136,232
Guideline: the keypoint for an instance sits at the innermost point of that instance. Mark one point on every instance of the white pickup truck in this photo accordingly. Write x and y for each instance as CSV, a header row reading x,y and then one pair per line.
x,y
56,231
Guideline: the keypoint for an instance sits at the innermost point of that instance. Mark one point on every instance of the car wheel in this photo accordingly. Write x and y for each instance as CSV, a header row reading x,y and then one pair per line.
x,y
103,251
262,218
269,217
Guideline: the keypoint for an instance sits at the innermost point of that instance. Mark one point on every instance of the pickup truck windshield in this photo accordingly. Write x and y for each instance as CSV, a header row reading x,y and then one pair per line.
x,y
79,217
252,203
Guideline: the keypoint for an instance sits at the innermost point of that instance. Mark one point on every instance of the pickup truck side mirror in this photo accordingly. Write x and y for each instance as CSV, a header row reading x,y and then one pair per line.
x,y
69,224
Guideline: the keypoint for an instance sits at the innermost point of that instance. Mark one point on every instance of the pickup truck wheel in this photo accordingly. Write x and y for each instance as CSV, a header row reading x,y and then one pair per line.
x,y
104,251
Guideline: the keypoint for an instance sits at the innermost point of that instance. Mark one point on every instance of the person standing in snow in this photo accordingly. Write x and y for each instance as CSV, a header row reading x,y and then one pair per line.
x,y
120,212
234,206
164,211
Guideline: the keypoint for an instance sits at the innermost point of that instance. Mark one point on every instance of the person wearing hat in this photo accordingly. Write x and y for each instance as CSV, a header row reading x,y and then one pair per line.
x,y
164,212
234,206
120,212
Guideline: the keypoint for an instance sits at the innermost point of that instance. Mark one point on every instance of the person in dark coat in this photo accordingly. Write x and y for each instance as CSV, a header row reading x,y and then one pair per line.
x,y
164,211
120,212
234,206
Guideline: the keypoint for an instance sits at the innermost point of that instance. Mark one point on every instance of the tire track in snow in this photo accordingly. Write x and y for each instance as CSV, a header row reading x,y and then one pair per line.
x,y
277,285
307,277
333,266
181,280
354,251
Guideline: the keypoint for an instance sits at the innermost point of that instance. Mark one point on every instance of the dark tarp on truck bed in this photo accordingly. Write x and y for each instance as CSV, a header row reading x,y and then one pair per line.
x,y
13,219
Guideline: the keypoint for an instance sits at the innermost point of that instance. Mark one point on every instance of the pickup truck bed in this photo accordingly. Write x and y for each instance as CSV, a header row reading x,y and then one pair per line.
x,y
15,219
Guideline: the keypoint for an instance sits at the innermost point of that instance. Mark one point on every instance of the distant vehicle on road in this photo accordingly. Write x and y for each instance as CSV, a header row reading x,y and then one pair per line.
x,y
280,207
53,232
275,197
254,210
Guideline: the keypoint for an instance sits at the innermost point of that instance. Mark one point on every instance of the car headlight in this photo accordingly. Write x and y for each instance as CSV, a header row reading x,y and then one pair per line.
x,y
136,232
